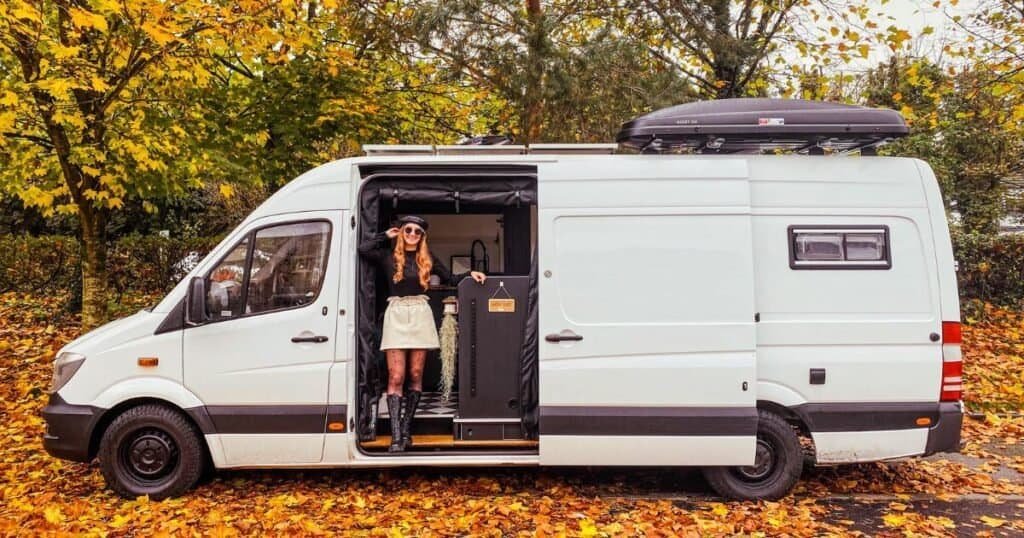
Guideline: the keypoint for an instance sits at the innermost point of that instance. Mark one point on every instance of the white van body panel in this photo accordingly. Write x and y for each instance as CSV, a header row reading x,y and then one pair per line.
x,y
770,391
656,450
944,261
111,373
854,447
268,450
157,388
605,241
869,330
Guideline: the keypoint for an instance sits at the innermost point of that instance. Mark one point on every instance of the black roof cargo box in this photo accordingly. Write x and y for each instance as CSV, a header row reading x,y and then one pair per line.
x,y
755,125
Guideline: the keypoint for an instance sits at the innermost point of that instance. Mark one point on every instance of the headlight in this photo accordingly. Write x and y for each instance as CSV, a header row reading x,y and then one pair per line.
x,y
64,367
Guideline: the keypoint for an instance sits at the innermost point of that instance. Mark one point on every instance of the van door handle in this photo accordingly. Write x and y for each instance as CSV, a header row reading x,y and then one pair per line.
x,y
564,336
313,339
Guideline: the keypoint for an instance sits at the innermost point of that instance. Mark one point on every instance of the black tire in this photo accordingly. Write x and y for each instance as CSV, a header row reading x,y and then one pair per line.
x,y
151,450
779,464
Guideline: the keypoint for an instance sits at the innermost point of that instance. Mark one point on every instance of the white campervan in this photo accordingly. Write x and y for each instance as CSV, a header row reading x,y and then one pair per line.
x,y
702,309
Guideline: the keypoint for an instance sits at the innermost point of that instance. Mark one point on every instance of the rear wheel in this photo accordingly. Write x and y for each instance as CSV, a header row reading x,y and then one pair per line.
x,y
777,464
151,450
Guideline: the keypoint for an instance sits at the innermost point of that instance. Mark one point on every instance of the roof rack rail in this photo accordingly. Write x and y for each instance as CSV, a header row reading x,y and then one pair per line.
x,y
398,149
575,149
757,125
377,150
489,149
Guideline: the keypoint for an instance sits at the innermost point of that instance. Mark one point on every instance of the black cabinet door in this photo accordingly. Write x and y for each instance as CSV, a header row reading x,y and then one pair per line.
x,y
491,321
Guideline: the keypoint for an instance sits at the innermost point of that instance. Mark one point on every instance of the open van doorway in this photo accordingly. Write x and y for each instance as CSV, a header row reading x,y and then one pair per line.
x,y
480,389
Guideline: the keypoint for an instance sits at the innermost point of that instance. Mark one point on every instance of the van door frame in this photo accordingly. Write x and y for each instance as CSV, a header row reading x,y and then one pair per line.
x,y
422,170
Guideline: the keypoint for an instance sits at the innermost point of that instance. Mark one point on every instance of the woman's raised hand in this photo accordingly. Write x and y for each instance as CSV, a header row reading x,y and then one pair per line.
x,y
392,233
478,276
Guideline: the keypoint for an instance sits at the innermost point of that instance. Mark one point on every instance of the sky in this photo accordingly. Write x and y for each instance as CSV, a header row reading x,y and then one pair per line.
x,y
914,16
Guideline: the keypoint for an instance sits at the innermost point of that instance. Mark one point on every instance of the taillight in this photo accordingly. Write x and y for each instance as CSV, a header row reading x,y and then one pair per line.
x,y
952,389
951,332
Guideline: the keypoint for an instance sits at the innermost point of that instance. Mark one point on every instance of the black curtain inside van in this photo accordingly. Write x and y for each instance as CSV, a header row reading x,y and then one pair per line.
x,y
529,388
461,187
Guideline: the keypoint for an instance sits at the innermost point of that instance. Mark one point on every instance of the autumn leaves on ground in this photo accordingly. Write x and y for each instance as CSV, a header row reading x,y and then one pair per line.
x,y
45,495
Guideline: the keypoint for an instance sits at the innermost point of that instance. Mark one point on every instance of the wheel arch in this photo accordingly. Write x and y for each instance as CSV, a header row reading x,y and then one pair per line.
x,y
798,422
782,400
128,393
109,415
786,413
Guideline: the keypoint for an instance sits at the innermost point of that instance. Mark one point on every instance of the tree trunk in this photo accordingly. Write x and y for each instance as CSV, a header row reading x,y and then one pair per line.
x,y
532,115
94,269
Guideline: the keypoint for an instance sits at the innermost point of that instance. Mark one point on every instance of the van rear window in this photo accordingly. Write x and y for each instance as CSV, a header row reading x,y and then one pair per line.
x,y
839,247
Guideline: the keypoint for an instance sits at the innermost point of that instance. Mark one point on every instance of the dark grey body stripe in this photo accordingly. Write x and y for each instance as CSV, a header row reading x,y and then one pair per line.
x,y
268,419
718,421
590,420
860,417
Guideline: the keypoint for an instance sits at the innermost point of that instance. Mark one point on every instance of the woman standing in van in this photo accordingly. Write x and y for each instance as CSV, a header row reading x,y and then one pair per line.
x,y
409,329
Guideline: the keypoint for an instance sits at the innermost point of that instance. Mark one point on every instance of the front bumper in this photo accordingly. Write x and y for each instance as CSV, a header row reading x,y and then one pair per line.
x,y
69,429
944,435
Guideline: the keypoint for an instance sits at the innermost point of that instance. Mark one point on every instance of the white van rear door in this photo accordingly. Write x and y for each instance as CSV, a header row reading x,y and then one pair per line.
x,y
647,351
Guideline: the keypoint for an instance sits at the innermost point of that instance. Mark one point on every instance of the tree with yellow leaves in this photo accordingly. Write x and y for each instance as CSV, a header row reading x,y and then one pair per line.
x,y
91,92
103,102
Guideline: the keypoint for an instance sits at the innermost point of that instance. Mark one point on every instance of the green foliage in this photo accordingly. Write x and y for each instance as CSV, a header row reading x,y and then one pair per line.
x,y
568,71
967,131
990,268
153,264
145,265
38,264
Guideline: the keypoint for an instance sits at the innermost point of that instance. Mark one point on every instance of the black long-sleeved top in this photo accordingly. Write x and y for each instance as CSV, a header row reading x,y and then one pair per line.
x,y
378,250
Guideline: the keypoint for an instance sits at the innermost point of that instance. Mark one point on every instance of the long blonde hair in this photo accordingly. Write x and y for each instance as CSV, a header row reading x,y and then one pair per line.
x,y
423,261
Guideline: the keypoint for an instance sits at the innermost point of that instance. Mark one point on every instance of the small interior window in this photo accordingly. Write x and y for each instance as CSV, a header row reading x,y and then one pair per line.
x,y
839,247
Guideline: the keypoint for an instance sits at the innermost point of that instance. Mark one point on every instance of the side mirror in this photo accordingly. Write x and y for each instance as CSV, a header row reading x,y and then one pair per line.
x,y
195,303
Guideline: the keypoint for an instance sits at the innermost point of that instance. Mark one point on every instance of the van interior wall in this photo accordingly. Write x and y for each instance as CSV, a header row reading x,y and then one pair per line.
x,y
454,238
445,195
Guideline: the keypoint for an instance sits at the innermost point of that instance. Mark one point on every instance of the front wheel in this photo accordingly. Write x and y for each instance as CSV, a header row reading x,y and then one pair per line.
x,y
151,450
777,464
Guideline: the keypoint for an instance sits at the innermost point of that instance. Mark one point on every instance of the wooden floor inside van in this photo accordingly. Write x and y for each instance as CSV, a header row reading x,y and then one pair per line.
x,y
449,441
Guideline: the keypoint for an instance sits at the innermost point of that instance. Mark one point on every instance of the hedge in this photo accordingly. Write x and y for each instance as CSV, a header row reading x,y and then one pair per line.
x,y
136,264
991,268
39,264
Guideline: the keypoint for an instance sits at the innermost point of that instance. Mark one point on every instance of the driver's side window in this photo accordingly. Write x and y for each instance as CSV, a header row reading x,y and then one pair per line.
x,y
274,268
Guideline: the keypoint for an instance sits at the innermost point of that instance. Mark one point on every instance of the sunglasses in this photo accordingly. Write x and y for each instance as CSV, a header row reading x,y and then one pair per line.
x,y
412,230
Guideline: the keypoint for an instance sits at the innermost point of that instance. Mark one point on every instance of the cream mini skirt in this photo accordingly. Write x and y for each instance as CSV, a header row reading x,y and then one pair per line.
x,y
409,324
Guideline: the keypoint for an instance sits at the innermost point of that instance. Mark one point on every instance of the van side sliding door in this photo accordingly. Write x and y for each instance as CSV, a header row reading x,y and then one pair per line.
x,y
647,351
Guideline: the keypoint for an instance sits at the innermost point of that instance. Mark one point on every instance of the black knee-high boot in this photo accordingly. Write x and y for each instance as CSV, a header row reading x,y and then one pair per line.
x,y
410,400
395,416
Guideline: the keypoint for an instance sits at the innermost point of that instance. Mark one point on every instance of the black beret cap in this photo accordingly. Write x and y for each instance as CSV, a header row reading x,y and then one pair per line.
x,y
413,219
